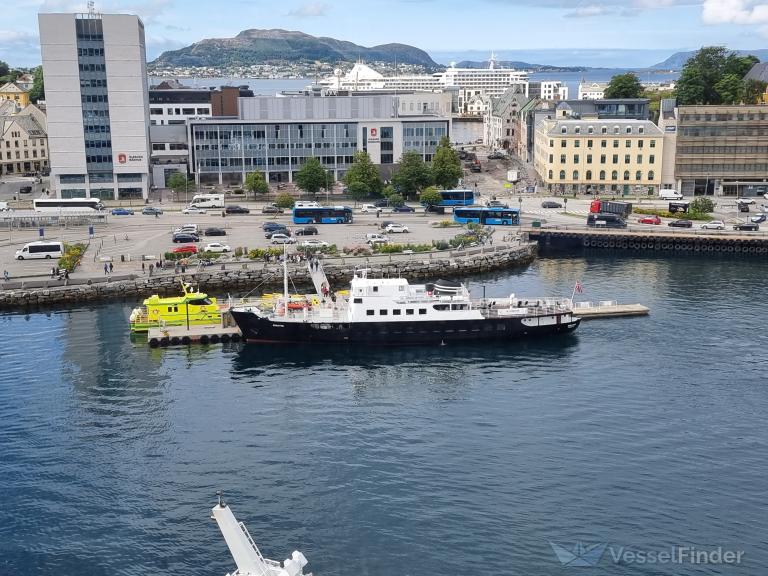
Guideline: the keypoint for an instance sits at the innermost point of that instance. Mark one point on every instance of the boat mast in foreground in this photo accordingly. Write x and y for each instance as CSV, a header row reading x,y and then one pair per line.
x,y
246,554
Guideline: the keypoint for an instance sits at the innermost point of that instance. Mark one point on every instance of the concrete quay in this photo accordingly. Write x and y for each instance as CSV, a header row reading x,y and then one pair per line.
x,y
249,275
647,240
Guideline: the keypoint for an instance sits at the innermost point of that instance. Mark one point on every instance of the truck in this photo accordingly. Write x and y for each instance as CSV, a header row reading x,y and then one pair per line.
x,y
623,209
512,176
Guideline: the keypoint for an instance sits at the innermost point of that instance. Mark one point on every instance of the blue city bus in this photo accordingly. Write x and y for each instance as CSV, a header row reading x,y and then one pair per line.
x,y
488,216
323,215
457,197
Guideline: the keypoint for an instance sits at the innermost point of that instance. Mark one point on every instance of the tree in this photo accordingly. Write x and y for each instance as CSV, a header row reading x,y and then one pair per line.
x,y
363,176
624,86
739,65
38,86
311,177
177,182
396,200
754,91
446,166
285,200
730,88
702,205
430,197
255,182
412,175
4,68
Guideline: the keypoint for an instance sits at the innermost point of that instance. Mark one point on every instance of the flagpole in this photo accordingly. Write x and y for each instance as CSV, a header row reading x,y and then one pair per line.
x,y
573,294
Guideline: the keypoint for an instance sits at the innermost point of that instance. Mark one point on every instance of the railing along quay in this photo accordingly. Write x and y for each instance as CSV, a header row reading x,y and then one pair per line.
x,y
755,243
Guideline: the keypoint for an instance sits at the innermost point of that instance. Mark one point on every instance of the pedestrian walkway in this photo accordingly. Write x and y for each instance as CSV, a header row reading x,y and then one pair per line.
x,y
316,272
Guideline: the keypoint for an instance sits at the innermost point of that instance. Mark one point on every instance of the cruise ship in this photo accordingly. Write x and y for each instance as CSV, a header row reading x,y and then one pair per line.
x,y
491,81
391,311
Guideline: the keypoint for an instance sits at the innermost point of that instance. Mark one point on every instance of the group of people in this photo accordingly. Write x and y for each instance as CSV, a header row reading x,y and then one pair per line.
x,y
108,267
56,272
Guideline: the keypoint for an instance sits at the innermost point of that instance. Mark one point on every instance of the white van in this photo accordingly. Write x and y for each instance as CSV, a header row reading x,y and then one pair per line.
x,y
303,204
187,228
4,207
40,249
207,201
669,194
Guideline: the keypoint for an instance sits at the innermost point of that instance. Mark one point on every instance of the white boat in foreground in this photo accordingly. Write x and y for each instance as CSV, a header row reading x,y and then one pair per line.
x,y
246,554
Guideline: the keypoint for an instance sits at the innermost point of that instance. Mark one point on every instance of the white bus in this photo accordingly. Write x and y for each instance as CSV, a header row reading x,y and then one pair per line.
x,y
40,249
58,205
207,201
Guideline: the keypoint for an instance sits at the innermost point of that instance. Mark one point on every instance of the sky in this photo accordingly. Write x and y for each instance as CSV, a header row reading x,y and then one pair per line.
x,y
610,33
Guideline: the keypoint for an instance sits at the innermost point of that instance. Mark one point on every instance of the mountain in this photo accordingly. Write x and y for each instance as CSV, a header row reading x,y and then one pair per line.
x,y
279,46
678,59
520,66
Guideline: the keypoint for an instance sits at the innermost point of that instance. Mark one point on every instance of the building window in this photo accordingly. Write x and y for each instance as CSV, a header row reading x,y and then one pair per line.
x,y
628,144
626,175
651,175
602,174
550,175
577,130
626,158
653,143
615,159
629,129
422,311
369,312
575,174
396,312
615,143
589,175
551,158
603,143
562,158
551,143
639,143
409,311
602,158
638,175
577,144
604,130
589,143
641,130
382,312
575,158
589,158
615,175
639,158
563,143
590,130
562,174
563,130
652,159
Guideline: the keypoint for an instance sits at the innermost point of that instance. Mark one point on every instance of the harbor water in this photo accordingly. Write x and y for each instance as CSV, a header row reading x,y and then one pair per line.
x,y
640,434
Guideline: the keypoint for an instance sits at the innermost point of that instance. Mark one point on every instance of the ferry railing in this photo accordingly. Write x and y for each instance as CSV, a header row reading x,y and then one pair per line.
x,y
266,561
660,232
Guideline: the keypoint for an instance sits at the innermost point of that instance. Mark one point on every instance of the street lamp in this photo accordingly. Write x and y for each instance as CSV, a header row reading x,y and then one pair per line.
x,y
520,200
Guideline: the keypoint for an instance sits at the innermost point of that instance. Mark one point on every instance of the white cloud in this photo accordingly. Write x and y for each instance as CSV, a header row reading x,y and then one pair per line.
x,y
735,12
588,11
310,10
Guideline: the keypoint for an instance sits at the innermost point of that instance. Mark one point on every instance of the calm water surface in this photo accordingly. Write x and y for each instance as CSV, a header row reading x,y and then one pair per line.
x,y
641,433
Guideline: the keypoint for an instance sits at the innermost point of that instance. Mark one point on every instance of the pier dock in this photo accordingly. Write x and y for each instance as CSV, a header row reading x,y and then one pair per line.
x,y
608,309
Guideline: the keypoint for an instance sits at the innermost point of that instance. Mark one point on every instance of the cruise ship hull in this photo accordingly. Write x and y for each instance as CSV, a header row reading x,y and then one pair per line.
x,y
263,329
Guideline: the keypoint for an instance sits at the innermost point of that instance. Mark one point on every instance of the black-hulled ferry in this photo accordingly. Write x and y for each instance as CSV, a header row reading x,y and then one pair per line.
x,y
391,311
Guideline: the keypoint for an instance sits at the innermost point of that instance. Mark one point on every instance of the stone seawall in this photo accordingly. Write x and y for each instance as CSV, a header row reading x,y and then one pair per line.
x,y
250,276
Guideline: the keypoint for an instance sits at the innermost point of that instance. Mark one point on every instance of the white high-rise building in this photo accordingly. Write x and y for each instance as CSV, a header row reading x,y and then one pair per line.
x,y
97,104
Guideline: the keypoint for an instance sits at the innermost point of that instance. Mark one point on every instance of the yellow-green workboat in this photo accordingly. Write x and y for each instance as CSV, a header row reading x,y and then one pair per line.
x,y
190,309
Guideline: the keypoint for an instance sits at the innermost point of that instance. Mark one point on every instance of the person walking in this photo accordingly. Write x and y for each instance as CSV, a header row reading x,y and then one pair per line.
x,y
106,269
6,276
111,267
143,268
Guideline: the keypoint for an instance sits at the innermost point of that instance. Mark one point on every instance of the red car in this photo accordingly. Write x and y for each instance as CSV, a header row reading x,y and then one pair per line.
x,y
650,220
185,250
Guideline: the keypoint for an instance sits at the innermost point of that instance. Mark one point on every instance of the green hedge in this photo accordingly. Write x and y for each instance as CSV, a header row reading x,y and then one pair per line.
x,y
397,248
676,215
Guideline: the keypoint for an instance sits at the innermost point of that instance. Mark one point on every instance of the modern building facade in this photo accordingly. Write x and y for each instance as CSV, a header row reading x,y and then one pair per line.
x,y
592,90
276,135
618,156
97,104
548,90
722,150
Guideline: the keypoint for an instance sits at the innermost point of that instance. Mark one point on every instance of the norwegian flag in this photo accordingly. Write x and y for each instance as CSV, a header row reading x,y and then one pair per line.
x,y
578,288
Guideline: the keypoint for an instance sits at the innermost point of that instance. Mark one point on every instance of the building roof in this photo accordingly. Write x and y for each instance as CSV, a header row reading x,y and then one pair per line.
x,y
649,128
758,72
12,87
8,108
513,97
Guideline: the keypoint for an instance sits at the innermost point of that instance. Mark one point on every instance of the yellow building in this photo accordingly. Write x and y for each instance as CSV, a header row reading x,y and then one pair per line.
x,y
11,91
619,156
23,142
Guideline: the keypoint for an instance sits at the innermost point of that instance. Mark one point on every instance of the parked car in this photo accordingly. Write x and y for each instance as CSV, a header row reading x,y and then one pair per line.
x,y
758,218
475,168
234,209
151,211
551,204
270,233
271,209
681,224
278,238
267,226
306,231
746,201
496,156
215,232
386,223
314,244
217,247
122,212
435,209
193,210
185,250
368,208
376,239
403,208
185,237
397,228
383,203
747,226
652,219
743,207
714,225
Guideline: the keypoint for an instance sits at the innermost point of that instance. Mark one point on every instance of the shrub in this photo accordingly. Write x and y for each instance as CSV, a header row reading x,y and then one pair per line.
x,y
357,250
173,256
446,224
238,252
332,249
395,248
284,200
701,205
441,244
73,254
